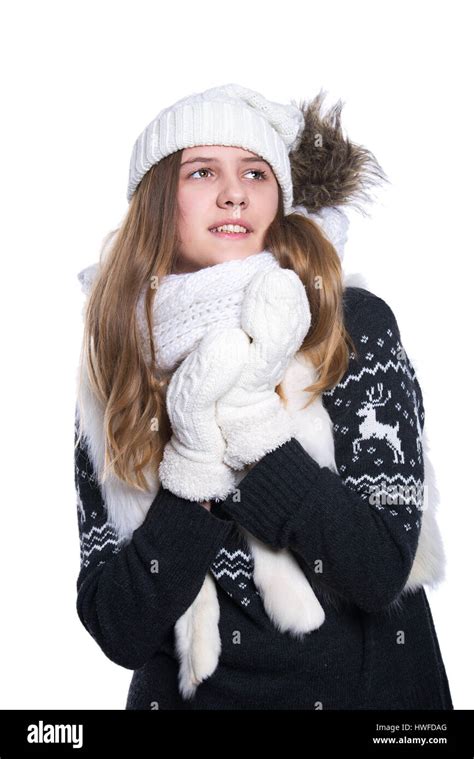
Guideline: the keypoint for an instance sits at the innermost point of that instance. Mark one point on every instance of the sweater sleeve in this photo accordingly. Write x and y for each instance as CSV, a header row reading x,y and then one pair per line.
x,y
131,593
358,529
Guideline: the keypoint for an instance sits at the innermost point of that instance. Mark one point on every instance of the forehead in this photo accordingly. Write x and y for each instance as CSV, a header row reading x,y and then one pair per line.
x,y
219,153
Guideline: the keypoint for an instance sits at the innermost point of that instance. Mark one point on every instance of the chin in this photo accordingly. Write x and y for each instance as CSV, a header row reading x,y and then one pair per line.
x,y
234,255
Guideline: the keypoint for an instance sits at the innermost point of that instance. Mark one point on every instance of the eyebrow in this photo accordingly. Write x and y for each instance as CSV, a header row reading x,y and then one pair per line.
x,y
203,159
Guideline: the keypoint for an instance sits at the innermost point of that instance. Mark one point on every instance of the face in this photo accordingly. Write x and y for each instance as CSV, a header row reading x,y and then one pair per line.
x,y
223,185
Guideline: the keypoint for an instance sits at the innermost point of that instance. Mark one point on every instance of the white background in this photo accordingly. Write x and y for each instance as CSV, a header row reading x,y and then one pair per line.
x,y
80,80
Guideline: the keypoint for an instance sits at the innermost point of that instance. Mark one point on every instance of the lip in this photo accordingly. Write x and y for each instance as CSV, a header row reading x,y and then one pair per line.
x,y
231,235
240,222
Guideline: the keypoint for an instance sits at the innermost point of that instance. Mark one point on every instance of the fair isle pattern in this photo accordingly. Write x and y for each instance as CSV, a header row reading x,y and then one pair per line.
x,y
233,569
232,566
97,536
232,563
378,417
121,612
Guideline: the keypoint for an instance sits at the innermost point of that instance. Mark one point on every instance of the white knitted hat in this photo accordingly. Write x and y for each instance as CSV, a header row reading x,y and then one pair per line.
x,y
229,115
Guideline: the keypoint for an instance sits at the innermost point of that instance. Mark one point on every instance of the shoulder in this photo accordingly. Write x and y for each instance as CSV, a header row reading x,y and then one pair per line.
x,y
366,312
380,359
359,303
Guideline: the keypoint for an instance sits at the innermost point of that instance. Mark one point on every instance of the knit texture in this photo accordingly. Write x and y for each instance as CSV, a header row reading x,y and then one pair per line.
x,y
376,650
127,593
378,415
192,466
229,115
186,306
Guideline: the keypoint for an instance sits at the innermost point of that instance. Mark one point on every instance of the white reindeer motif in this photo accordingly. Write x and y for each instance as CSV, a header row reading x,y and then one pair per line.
x,y
370,427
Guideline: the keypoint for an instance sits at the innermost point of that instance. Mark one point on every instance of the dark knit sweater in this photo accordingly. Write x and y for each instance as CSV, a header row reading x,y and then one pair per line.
x,y
377,648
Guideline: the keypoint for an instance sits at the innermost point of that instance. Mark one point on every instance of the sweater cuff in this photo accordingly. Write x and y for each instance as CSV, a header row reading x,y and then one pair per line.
x,y
184,527
269,498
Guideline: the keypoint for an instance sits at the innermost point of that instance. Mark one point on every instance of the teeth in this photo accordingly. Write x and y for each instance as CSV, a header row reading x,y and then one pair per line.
x,y
229,228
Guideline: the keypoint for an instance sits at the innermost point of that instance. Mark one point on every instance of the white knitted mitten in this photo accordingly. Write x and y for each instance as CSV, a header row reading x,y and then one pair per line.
x,y
252,416
192,466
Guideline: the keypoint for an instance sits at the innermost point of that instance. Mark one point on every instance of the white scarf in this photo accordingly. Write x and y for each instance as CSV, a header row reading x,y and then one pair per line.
x,y
185,307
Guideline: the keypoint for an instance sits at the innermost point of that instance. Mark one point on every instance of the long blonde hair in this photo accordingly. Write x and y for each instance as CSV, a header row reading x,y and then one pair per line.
x,y
144,247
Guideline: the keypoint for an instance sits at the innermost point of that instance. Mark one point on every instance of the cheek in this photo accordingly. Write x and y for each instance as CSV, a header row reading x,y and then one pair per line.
x,y
190,213
267,200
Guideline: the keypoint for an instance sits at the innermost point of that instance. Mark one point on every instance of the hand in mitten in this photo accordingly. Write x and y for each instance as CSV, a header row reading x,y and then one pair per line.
x,y
192,466
252,416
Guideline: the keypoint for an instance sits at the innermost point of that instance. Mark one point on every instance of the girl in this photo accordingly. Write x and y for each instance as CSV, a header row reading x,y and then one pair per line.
x,y
256,507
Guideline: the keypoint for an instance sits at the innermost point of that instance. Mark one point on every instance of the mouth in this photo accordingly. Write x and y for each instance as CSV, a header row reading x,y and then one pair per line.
x,y
231,231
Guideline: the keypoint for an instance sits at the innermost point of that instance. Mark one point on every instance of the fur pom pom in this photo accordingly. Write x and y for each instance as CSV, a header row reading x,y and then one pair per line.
x,y
327,168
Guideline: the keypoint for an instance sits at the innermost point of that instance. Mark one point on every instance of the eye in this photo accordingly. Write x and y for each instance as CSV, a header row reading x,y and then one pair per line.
x,y
262,174
197,170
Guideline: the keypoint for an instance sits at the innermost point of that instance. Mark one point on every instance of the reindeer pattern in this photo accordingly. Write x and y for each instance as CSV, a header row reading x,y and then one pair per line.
x,y
371,427
377,414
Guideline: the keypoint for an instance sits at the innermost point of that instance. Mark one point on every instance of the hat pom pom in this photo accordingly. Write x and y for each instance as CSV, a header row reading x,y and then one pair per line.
x,y
327,168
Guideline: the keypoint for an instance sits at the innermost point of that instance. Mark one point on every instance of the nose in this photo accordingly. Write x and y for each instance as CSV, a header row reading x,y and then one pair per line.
x,y
233,196
235,207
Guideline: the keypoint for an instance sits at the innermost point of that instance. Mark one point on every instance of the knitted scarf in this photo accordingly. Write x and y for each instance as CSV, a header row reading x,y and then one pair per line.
x,y
187,305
